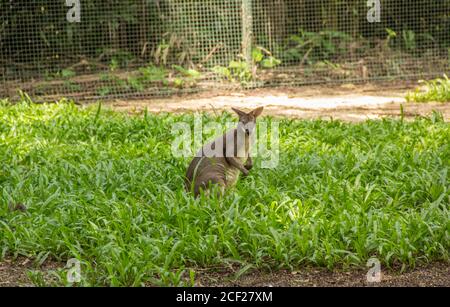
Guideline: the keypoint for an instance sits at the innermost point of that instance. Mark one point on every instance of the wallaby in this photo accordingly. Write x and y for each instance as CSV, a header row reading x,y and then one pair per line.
x,y
220,162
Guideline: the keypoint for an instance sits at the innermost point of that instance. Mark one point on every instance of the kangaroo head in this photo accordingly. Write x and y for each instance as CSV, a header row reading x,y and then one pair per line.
x,y
247,121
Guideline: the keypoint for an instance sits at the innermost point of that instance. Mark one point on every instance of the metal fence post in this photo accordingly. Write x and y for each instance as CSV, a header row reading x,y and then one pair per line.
x,y
247,31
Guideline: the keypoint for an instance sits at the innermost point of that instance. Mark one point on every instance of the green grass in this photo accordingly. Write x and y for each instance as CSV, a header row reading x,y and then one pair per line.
x,y
104,188
437,90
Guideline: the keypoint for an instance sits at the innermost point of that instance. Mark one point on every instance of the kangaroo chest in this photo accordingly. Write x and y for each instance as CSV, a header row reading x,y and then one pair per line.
x,y
242,147
235,146
242,153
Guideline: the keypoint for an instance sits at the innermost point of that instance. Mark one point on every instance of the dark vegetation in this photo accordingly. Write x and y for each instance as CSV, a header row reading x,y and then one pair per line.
x,y
118,42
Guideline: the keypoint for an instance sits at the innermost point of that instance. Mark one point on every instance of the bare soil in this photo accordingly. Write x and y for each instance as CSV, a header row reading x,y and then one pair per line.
x,y
432,275
14,274
347,102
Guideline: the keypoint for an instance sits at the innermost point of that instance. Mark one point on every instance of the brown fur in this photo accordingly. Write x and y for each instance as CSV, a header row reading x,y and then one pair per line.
x,y
223,171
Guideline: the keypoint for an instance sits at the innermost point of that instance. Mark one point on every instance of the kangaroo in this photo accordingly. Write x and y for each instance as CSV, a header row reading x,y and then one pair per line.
x,y
221,161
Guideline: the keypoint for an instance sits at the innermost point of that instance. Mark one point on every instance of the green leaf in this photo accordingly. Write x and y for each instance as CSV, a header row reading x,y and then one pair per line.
x,y
270,62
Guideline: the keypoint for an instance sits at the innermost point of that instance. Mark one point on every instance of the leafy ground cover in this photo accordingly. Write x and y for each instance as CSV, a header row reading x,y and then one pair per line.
x,y
103,187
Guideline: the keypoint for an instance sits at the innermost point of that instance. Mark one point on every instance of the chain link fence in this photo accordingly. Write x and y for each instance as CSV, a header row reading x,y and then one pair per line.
x,y
103,49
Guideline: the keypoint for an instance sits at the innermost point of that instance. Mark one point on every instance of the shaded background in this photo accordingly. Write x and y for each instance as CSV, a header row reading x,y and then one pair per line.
x,y
144,48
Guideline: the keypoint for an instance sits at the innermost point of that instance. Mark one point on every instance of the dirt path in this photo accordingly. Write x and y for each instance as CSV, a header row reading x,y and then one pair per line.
x,y
347,102
14,274
433,275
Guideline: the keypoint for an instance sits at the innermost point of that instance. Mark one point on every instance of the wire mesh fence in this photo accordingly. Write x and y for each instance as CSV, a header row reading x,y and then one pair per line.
x,y
101,49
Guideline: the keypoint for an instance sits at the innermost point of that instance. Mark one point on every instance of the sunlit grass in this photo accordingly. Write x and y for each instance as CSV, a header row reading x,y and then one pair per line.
x,y
103,187
437,90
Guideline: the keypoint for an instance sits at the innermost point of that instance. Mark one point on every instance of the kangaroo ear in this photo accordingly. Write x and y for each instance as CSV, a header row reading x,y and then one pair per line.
x,y
257,112
239,112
